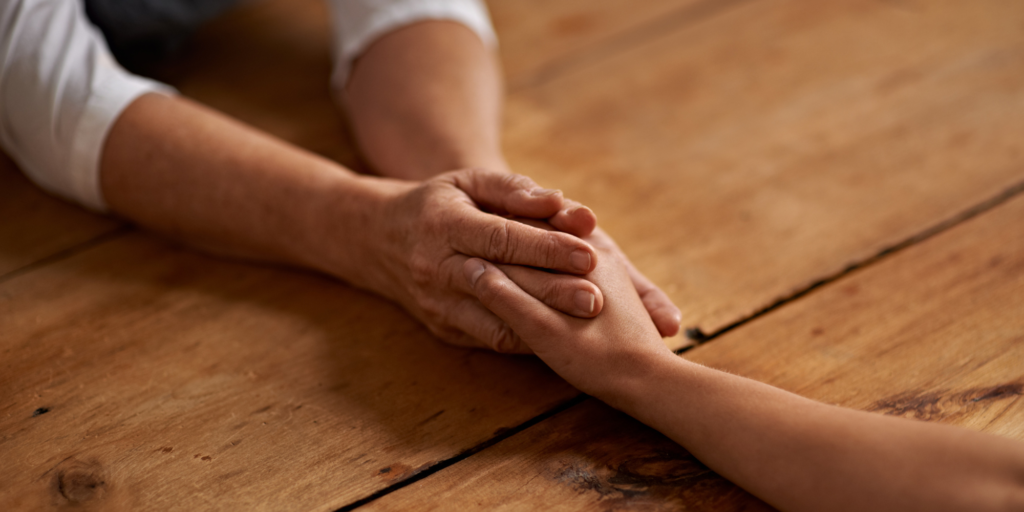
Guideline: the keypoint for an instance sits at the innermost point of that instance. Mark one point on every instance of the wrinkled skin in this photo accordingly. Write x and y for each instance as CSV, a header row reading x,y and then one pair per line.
x,y
434,227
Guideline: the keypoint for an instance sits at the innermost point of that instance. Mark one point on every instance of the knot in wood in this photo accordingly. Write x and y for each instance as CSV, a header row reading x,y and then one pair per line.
x,y
80,482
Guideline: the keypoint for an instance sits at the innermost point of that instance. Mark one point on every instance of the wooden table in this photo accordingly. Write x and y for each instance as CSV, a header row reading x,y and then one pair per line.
x,y
831,191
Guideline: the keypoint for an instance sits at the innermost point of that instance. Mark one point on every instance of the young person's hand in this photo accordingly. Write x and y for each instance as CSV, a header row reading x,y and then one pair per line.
x,y
665,315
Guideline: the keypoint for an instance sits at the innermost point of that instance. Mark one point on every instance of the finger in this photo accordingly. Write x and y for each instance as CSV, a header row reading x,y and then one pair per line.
x,y
666,316
506,241
474,326
574,218
569,294
521,311
505,193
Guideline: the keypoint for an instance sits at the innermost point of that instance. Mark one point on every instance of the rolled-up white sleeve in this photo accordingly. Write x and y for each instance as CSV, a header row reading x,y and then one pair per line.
x,y
60,92
357,23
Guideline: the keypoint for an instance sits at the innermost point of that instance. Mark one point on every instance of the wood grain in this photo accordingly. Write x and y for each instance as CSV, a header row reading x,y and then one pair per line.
x,y
170,380
35,225
743,158
934,333
268,64
541,39
737,158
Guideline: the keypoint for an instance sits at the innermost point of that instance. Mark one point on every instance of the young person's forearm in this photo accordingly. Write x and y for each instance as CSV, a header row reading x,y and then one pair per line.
x,y
189,172
794,453
799,454
426,99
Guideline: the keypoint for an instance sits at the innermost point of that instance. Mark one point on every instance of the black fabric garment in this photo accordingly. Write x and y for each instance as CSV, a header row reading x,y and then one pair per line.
x,y
142,32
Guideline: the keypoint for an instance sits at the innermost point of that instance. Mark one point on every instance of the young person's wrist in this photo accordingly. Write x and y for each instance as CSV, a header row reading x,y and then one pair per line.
x,y
634,379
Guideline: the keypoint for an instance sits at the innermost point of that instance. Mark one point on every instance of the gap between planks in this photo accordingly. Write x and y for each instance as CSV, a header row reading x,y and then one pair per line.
x,y
622,41
64,254
701,338
696,335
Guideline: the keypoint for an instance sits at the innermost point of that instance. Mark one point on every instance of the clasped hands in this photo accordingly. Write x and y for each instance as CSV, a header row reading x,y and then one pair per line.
x,y
426,232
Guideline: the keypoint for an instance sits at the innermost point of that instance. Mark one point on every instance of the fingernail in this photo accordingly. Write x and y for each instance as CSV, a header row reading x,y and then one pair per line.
x,y
543,192
474,269
581,260
585,301
569,212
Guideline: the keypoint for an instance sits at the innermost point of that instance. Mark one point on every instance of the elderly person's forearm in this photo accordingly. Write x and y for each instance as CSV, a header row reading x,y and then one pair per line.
x,y
189,172
427,98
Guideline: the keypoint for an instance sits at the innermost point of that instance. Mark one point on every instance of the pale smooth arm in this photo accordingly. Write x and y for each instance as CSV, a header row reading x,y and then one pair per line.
x,y
792,452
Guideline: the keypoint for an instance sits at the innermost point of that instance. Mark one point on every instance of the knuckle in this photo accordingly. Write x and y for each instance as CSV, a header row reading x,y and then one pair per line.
x,y
421,269
548,249
558,294
486,290
500,243
503,340
490,289
511,182
444,334
430,307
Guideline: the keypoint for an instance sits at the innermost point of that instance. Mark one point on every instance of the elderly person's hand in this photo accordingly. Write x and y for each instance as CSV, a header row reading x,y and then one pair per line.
x,y
598,356
424,232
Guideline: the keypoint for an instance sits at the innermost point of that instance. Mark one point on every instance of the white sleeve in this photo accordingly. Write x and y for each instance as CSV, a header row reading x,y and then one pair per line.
x,y
60,92
357,23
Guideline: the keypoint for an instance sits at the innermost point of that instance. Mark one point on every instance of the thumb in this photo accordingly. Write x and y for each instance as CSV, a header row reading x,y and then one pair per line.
x,y
505,193
526,315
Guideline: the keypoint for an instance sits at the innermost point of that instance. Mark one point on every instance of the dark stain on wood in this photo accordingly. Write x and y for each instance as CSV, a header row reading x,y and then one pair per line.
x,y
430,418
261,410
40,411
660,474
80,481
398,471
944,405
625,465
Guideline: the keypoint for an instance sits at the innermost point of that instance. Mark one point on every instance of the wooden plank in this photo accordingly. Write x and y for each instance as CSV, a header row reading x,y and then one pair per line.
x,y
189,387
746,157
225,64
775,164
35,225
539,39
934,333
141,376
